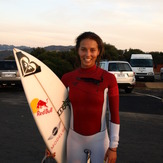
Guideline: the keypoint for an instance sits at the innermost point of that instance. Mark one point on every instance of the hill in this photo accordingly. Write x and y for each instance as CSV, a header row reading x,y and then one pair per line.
x,y
6,50
58,48
10,47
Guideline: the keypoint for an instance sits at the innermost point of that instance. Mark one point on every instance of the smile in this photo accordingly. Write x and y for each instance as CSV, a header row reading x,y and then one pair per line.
x,y
87,59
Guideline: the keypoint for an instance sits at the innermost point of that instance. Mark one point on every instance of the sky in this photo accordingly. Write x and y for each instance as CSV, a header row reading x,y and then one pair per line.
x,y
136,24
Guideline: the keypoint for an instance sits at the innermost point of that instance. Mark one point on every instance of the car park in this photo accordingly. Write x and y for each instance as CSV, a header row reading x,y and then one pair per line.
x,y
123,72
9,74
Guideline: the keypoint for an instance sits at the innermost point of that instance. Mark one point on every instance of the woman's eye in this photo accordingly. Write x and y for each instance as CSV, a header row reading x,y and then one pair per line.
x,y
83,49
93,50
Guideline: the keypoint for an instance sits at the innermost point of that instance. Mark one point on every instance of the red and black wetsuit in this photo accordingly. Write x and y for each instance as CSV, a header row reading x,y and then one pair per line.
x,y
90,92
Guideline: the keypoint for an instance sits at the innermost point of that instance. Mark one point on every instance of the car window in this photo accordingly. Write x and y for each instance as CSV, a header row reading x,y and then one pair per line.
x,y
102,65
112,67
119,67
8,65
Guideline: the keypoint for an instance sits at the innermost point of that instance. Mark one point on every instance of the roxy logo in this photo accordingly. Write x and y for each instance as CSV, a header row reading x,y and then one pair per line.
x,y
27,67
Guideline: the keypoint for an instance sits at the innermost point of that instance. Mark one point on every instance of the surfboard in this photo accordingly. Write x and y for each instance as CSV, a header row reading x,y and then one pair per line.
x,y
47,99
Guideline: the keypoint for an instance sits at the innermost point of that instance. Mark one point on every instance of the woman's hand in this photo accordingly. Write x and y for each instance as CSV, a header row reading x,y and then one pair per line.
x,y
48,154
111,155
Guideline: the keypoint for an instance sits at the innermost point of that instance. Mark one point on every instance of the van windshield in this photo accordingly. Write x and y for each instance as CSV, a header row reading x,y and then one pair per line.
x,y
8,65
141,62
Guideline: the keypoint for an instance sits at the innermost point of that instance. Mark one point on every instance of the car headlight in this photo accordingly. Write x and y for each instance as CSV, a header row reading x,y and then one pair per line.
x,y
131,74
150,73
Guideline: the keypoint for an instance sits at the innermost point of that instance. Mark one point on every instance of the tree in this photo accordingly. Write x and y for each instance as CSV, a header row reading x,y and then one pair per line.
x,y
110,53
62,62
37,51
157,57
127,54
11,57
53,60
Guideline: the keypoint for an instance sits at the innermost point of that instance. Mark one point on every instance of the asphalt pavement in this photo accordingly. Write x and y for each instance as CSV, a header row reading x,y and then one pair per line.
x,y
141,133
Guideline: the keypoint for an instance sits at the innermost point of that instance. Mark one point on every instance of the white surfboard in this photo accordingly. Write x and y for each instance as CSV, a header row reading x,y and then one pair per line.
x,y
46,96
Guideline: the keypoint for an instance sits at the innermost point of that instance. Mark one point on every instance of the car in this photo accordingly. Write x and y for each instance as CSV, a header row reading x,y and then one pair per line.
x,y
9,74
161,73
123,72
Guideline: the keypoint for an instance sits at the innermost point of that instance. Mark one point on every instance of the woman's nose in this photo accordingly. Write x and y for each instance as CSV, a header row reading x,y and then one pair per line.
x,y
88,53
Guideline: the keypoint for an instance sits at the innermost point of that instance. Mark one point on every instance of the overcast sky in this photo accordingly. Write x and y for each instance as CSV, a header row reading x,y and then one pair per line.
x,y
136,24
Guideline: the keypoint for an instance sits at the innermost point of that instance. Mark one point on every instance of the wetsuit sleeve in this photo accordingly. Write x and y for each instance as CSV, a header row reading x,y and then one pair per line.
x,y
114,120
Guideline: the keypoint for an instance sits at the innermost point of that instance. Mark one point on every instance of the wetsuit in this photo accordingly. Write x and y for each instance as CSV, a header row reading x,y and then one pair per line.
x,y
90,92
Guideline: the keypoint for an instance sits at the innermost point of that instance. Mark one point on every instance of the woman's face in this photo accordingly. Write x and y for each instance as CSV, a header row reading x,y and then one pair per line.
x,y
88,53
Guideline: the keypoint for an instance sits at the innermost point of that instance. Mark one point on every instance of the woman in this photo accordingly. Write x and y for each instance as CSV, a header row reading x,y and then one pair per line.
x,y
90,90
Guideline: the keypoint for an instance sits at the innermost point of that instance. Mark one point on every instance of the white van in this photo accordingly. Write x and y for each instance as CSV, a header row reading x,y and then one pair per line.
x,y
142,65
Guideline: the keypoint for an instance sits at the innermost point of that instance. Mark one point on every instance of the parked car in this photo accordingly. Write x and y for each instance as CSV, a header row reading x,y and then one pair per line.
x,y
161,73
9,74
123,73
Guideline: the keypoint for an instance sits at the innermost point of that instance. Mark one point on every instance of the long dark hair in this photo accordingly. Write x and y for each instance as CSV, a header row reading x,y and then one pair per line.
x,y
92,36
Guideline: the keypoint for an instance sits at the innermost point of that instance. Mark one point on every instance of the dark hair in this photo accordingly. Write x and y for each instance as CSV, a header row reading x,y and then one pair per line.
x,y
92,36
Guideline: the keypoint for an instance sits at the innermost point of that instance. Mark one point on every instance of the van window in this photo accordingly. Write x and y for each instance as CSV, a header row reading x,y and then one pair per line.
x,y
119,67
141,62
8,65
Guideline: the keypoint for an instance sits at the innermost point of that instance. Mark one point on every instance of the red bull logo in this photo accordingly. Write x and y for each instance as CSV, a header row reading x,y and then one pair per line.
x,y
41,104
40,107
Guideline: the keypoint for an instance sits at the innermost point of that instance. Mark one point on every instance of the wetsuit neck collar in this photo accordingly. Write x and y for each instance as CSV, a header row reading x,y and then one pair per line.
x,y
87,70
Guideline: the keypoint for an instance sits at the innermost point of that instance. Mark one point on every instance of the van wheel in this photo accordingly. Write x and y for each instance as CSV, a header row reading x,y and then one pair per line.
x,y
128,90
